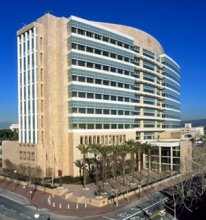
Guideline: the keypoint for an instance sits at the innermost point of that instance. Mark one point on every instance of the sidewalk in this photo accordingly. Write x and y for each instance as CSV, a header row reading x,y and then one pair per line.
x,y
60,206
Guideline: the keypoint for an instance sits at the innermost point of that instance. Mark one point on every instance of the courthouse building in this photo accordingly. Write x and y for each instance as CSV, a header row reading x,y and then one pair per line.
x,y
82,82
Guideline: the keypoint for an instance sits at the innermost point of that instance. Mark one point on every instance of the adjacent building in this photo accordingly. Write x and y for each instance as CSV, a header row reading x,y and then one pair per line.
x,y
82,82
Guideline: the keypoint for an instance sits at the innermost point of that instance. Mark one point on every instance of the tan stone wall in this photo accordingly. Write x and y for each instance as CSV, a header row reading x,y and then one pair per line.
x,y
170,135
185,157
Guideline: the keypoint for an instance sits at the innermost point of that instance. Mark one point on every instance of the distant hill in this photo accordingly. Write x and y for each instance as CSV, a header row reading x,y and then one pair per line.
x,y
195,123
5,124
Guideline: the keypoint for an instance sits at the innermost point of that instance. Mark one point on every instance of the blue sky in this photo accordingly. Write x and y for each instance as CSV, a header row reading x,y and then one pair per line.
x,y
179,25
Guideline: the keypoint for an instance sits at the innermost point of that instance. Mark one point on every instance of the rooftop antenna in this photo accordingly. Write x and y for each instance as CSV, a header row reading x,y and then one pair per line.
x,y
23,24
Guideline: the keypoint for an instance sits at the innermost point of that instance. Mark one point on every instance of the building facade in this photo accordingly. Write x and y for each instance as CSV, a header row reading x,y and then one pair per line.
x,y
82,82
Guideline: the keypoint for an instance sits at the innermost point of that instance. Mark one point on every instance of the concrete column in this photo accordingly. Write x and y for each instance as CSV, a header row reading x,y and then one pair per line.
x,y
171,162
160,159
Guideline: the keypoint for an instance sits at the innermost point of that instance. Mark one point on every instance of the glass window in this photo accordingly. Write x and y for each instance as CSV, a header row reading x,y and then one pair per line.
x,y
90,80
98,81
90,65
90,95
98,66
98,126
106,39
120,99
106,111
98,111
105,82
112,41
114,126
81,63
74,78
113,84
120,71
113,98
80,31
82,110
90,111
98,96
106,68
106,126
89,34
105,53
81,79
120,112
97,36
120,85
114,112
82,126
97,51
82,94
113,55
81,47
74,94
74,30
90,49
90,126
113,69
106,97
120,57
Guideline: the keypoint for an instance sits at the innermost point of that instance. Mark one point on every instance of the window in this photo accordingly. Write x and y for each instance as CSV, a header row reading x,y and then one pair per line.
x,y
98,66
89,34
113,55
106,68
90,80
113,84
106,97
90,111
120,99
74,78
98,81
98,126
81,47
112,41
113,69
90,49
74,94
106,111
82,110
120,85
106,126
106,39
81,63
90,126
90,95
74,30
98,96
81,79
90,65
98,51
82,126
105,82
97,36
105,53
98,111
80,31
114,112
114,126
113,98
82,95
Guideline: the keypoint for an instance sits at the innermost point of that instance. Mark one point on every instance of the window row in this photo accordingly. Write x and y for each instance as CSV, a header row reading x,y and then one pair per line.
x,y
100,67
101,96
103,111
101,126
27,155
103,139
100,52
101,82
99,37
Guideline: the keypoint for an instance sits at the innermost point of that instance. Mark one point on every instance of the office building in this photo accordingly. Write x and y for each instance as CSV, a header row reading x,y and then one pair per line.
x,y
82,82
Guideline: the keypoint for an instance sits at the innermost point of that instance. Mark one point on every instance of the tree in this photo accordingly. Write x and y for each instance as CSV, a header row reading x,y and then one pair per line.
x,y
84,149
9,165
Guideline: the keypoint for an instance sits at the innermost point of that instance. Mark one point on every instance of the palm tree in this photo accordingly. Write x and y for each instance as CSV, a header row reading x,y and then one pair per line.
x,y
79,164
104,151
123,151
84,149
94,148
133,148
